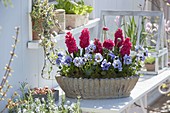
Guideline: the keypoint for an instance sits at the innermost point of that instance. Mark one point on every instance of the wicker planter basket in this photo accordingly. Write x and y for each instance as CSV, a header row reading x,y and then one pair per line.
x,y
97,88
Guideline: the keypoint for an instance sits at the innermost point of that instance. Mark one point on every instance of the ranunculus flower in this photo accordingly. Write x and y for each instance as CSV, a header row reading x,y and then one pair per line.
x,y
98,44
84,38
71,43
119,39
108,44
126,47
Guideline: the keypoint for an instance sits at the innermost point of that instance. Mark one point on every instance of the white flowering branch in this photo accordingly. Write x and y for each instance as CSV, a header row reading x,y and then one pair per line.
x,y
8,70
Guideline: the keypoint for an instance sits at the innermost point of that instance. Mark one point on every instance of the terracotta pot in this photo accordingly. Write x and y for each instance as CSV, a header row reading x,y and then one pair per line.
x,y
36,33
97,88
73,20
150,67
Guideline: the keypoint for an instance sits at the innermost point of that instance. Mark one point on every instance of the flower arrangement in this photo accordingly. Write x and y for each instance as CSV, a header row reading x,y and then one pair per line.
x,y
110,59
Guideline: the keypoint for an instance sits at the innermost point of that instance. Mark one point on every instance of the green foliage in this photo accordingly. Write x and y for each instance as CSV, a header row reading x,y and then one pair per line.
x,y
42,17
150,60
6,2
28,104
131,30
43,21
71,7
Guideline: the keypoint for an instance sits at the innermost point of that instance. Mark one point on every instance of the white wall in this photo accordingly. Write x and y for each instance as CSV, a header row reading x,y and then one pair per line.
x,y
27,67
119,5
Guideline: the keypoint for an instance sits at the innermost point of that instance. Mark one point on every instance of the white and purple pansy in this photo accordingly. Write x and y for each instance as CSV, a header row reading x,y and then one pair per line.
x,y
105,65
117,64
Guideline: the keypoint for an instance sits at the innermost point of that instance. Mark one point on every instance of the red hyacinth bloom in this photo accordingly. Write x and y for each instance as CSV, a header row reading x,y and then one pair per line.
x,y
84,38
119,39
126,47
71,43
99,48
108,44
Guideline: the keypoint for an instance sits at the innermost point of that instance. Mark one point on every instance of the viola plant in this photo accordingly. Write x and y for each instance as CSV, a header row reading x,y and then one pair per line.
x,y
94,59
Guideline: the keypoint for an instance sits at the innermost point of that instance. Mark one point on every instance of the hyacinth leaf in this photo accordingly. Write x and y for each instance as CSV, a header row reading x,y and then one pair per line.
x,y
154,41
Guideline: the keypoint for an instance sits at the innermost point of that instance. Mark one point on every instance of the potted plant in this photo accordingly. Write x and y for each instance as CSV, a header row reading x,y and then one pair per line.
x,y
76,12
98,70
150,63
30,104
43,93
42,18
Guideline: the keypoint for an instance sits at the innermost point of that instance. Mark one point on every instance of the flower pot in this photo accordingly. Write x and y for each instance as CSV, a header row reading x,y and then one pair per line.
x,y
150,67
73,20
40,29
59,21
55,95
97,88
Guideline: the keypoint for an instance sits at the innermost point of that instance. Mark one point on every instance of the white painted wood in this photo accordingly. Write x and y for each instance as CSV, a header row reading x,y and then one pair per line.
x,y
143,106
91,24
161,49
29,19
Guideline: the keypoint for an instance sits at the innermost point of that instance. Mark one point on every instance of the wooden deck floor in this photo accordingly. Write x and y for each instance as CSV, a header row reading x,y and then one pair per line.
x,y
162,103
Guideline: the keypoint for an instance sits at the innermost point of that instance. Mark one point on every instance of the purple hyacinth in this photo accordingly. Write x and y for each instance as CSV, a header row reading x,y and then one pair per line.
x,y
127,59
117,64
105,65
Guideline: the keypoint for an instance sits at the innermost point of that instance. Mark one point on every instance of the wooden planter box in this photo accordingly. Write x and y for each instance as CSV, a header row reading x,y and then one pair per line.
x,y
150,67
73,20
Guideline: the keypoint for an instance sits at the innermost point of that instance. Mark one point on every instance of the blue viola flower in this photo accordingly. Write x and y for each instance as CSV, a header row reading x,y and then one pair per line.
x,y
87,57
58,61
91,48
137,48
146,52
117,64
112,55
60,54
87,51
98,57
67,60
78,61
105,65
127,59
141,57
